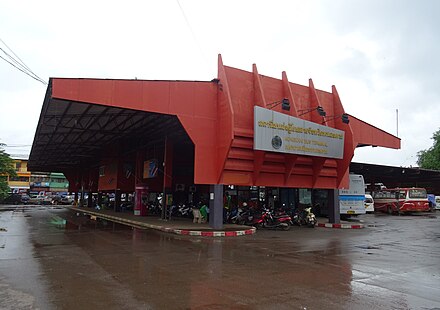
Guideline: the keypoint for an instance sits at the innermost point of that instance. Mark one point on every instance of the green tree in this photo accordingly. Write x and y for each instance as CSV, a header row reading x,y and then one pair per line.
x,y
430,158
6,168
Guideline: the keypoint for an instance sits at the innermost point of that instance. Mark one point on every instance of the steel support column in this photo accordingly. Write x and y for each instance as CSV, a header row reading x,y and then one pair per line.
x,y
117,206
167,177
99,202
216,206
90,199
334,215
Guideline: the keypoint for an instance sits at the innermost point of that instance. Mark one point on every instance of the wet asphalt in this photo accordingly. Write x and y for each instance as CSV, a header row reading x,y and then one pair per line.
x,y
53,258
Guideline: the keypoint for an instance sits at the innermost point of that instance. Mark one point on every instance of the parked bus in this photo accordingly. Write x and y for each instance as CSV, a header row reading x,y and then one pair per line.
x,y
351,200
401,200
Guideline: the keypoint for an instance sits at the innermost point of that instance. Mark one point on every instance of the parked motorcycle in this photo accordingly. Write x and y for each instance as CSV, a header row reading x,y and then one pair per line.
x,y
305,217
184,210
154,209
246,217
271,221
236,215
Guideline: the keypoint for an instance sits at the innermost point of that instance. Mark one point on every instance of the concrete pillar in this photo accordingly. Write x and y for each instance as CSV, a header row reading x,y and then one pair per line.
x,y
81,201
334,214
99,199
167,175
117,201
216,206
90,200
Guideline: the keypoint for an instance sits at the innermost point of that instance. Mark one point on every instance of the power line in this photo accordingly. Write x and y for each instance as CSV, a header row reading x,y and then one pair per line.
x,y
18,145
192,32
22,62
23,70
19,64
22,65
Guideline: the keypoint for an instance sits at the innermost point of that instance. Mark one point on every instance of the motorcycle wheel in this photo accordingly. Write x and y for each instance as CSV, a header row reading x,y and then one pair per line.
x,y
258,226
286,227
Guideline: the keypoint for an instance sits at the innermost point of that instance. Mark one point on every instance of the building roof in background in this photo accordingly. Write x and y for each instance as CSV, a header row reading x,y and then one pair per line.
x,y
19,156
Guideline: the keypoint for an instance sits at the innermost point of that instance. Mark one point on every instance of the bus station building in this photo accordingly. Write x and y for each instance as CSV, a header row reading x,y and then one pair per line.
x,y
196,140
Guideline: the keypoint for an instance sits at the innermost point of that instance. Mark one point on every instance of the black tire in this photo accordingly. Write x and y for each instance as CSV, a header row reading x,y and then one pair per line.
x,y
390,211
286,227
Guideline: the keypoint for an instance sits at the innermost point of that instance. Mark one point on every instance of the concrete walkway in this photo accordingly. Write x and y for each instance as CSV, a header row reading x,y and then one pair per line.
x,y
179,226
185,226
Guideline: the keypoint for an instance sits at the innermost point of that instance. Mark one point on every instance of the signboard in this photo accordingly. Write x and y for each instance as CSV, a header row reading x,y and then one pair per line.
x,y
278,132
150,169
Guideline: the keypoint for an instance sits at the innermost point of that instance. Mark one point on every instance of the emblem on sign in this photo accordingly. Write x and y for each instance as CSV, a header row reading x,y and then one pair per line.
x,y
276,142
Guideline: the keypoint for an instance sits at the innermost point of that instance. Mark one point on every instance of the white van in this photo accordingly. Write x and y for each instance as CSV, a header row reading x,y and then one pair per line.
x,y
369,203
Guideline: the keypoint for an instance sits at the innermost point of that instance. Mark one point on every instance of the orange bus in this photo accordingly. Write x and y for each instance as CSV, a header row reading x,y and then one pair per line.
x,y
401,200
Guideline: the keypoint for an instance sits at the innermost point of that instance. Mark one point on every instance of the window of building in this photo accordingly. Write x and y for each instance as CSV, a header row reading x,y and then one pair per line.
x,y
19,179
305,196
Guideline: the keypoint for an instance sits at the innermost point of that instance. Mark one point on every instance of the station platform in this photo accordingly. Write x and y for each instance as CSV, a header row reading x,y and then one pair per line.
x,y
179,226
184,226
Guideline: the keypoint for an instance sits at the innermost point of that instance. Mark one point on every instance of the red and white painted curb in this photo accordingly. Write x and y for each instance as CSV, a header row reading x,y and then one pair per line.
x,y
341,226
235,233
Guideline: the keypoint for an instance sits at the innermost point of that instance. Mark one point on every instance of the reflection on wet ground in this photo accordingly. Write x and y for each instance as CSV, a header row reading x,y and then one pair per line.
x,y
55,258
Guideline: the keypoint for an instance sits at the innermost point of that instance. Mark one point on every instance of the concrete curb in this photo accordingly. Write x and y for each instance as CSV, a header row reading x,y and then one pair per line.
x,y
341,226
185,232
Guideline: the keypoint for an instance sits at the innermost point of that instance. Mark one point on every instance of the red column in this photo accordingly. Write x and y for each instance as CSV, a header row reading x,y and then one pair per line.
x,y
141,190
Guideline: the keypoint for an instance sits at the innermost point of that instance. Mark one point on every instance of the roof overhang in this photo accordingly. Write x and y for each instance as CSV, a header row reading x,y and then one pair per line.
x,y
71,133
392,176
365,134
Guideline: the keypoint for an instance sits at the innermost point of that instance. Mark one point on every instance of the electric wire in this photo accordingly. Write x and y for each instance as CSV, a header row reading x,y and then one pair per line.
x,y
18,145
19,64
22,66
21,61
22,70
192,32
13,59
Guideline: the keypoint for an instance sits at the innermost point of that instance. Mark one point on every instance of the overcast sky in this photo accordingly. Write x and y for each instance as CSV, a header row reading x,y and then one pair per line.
x,y
381,55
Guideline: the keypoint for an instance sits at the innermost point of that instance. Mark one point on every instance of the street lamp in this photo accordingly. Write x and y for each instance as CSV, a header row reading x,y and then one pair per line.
x,y
320,110
285,104
343,116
